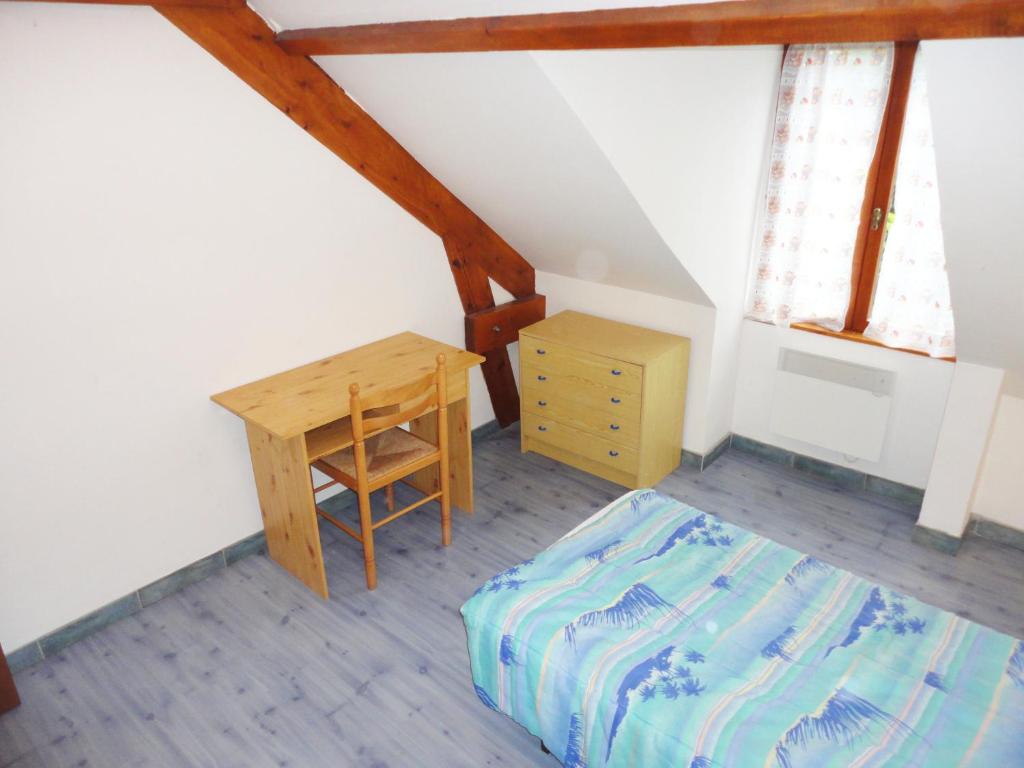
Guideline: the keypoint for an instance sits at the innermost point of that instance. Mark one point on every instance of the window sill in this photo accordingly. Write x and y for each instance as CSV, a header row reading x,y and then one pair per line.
x,y
860,338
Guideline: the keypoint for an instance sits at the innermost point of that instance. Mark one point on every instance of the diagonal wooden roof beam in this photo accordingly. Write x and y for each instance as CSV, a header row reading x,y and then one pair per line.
x,y
243,43
739,22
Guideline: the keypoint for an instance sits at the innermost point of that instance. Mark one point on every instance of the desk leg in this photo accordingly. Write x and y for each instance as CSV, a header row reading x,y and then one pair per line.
x,y
460,455
286,502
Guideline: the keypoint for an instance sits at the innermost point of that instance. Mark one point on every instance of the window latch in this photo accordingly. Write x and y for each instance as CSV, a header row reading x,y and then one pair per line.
x,y
876,219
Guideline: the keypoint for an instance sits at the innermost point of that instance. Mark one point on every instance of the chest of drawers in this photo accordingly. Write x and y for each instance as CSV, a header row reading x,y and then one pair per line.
x,y
603,396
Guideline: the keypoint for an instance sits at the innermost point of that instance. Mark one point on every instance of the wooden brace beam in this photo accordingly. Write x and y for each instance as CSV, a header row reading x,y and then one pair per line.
x,y
488,332
476,295
8,693
739,22
499,326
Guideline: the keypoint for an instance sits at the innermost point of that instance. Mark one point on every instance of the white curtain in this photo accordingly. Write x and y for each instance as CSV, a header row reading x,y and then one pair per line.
x,y
911,308
831,102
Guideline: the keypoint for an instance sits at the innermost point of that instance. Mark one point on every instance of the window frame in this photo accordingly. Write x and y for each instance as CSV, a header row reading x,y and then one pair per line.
x,y
878,194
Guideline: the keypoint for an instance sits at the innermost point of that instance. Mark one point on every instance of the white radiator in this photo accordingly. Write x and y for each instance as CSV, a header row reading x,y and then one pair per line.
x,y
832,404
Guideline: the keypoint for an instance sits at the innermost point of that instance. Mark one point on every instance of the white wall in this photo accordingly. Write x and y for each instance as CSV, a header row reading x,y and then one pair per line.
x,y
999,495
966,424
164,234
919,399
694,321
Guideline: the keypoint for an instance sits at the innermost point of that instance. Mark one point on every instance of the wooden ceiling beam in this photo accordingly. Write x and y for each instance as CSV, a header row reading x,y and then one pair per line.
x,y
167,3
738,22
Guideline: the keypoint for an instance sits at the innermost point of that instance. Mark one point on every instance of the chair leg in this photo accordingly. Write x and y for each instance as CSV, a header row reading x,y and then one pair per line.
x,y
446,503
366,531
389,497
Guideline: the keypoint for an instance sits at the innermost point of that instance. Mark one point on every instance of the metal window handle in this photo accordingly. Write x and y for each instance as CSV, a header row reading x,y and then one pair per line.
x,y
613,427
616,400
541,352
542,428
542,403
616,372
876,218
542,377
613,453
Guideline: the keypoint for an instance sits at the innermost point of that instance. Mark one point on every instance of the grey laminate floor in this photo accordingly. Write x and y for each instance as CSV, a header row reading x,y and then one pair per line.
x,y
248,668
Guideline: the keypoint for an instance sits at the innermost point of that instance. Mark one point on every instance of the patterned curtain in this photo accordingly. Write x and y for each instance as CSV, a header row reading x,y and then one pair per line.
x,y
911,308
831,102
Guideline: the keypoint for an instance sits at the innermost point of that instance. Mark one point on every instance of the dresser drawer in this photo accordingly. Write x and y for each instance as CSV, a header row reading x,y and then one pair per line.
x,y
612,454
568,408
606,371
544,384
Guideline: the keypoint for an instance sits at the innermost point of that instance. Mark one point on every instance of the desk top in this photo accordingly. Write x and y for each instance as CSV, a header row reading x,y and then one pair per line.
x,y
312,395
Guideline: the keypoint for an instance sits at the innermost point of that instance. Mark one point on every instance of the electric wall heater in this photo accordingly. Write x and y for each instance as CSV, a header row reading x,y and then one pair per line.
x,y
832,404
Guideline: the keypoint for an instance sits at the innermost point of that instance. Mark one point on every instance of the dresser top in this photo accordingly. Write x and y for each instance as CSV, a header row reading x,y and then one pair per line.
x,y
599,336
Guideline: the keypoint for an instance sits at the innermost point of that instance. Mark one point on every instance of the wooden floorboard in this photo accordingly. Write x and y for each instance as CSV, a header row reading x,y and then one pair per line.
x,y
249,669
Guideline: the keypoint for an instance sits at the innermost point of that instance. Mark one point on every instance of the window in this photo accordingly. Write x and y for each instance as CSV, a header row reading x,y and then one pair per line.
x,y
850,240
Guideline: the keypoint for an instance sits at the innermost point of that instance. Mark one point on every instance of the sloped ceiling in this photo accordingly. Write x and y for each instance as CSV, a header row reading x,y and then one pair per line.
x,y
687,130
976,94
494,129
499,133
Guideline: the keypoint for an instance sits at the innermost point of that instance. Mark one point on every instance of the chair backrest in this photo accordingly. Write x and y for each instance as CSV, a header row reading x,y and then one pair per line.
x,y
384,410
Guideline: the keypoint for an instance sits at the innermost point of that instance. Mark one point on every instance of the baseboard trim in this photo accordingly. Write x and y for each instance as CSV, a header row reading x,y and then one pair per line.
x,y
56,641
693,460
52,643
701,461
852,479
937,540
844,477
984,528
487,429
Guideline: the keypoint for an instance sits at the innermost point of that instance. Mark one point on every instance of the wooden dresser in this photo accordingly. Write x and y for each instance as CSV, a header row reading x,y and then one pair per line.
x,y
604,397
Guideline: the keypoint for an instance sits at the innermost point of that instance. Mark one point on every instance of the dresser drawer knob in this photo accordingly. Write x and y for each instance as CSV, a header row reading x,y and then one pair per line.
x,y
616,400
542,403
541,352
616,372
613,453
613,427
542,377
542,428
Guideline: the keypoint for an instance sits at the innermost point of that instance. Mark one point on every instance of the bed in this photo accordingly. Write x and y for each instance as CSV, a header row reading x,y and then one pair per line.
x,y
655,635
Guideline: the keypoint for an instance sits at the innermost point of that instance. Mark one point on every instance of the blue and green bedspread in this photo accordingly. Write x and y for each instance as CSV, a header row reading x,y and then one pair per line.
x,y
658,635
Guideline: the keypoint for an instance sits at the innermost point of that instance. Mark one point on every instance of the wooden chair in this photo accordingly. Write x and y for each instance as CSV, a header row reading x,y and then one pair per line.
x,y
383,452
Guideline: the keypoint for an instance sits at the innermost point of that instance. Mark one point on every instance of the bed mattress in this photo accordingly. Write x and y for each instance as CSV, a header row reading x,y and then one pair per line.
x,y
655,634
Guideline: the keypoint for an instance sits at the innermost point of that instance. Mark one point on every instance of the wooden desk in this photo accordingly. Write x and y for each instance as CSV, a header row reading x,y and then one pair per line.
x,y
295,417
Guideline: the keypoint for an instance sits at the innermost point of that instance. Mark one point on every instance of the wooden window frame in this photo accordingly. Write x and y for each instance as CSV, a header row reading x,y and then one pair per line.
x,y
878,195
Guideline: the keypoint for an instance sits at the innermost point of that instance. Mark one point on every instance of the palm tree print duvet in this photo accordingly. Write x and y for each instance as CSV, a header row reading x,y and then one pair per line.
x,y
658,635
